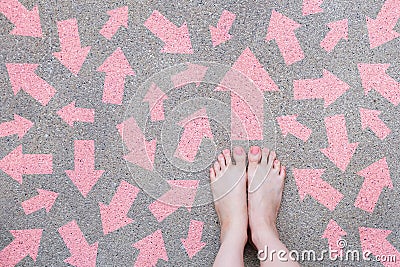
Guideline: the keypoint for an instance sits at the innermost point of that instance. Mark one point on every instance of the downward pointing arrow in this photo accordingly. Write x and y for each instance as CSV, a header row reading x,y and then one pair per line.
x,y
312,7
329,87
220,34
72,54
82,254
334,233
118,18
380,30
197,126
289,124
374,241
339,151
182,193
27,23
156,98
193,74
26,242
17,164
152,248
45,199
309,182
370,119
373,76
339,30
176,39
19,126
114,216
84,176
71,114
193,242
377,176
23,76
116,67
281,29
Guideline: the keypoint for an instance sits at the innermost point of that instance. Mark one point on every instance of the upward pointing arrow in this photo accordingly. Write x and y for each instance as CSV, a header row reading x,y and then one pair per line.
x,y
156,98
19,126
118,18
339,30
152,248
45,199
334,233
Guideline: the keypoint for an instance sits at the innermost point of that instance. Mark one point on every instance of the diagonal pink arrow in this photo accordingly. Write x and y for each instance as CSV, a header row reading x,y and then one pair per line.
x,y
23,76
118,18
82,254
114,216
197,127
192,243
71,114
289,124
19,126
27,23
334,233
116,67
370,119
309,182
26,242
339,30
375,241
84,176
155,97
45,199
151,249
377,176
281,29
176,39
220,34
381,29
340,150
72,54
181,194
193,74
373,76
312,7
329,88
141,151
16,164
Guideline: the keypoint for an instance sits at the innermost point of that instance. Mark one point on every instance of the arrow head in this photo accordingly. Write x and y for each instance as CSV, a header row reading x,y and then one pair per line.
x,y
373,239
117,64
119,15
305,178
22,125
312,7
84,180
219,36
340,154
67,113
333,87
19,74
28,241
333,231
113,218
12,164
368,116
48,198
378,172
179,42
199,121
28,24
151,249
285,123
372,75
192,246
73,58
379,33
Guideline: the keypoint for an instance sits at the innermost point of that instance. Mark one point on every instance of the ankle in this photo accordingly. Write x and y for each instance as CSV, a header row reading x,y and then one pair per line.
x,y
261,235
233,233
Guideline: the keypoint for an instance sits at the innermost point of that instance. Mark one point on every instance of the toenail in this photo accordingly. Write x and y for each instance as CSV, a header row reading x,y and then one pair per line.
x,y
254,150
238,150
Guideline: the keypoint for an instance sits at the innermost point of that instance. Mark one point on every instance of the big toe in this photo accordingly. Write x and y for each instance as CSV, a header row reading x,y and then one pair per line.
x,y
254,155
239,156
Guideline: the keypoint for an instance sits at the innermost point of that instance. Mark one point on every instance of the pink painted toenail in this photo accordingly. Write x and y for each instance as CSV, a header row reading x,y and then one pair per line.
x,y
238,150
254,150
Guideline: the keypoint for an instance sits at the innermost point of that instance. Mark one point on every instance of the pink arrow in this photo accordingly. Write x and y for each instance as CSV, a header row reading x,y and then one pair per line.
x,y
84,176
19,126
176,39
182,193
71,114
156,98
17,164
27,23
45,199
309,182
26,242
193,74
152,248
339,30
334,233
197,126
339,151
141,151
23,76
82,254
373,76
374,241
116,68
381,29
370,119
72,54
114,216
281,29
329,88
377,176
193,242
312,7
118,18
289,124
247,81
220,34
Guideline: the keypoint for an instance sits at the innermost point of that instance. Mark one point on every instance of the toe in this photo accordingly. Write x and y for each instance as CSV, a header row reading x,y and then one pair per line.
x,y
221,161
217,168
271,157
282,172
254,155
239,156
264,155
227,155
277,165
212,174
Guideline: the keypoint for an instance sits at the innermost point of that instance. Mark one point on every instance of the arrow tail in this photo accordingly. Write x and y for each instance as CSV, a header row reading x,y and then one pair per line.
x,y
114,85
325,194
13,10
160,26
84,115
69,35
226,20
8,128
389,13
